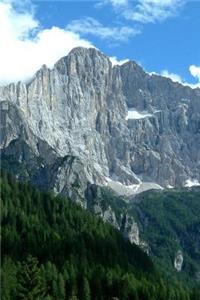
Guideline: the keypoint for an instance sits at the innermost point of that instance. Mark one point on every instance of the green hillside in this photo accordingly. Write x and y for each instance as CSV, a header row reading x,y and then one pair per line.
x,y
53,249
170,221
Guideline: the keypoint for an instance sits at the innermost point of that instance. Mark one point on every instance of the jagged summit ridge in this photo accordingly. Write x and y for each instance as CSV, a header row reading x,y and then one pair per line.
x,y
123,125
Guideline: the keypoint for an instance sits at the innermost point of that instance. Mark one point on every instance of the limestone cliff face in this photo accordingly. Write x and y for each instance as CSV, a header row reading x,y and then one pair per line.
x,y
86,121
130,229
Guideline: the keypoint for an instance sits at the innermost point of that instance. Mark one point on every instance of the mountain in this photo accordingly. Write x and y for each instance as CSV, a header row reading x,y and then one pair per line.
x,y
85,121
53,249
103,136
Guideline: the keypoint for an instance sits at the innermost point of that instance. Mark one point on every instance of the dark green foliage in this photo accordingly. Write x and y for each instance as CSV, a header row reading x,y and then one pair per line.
x,y
169,221
85,293
80,257
29,280
8,279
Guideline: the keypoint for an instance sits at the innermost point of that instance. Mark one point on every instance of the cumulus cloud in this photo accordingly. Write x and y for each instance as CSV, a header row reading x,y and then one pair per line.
x,y
195,72
24,46
147,11
90,26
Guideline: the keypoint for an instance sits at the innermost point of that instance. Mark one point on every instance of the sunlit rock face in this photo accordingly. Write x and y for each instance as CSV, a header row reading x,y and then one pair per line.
x,y
86,121
130,230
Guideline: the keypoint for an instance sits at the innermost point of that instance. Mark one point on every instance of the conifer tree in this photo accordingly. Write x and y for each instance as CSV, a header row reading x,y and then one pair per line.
x,y
86,295
61,287
29,280
8,279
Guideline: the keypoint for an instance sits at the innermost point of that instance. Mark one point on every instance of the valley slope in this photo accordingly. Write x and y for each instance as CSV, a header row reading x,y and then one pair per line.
x,y
53,249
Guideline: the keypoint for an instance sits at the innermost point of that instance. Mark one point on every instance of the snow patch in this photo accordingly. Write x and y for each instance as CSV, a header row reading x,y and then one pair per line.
x,y
170,186
133,189
136,115
191,182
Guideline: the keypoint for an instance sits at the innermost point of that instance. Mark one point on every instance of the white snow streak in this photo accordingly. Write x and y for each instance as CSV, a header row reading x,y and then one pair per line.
x,y
136,115
192,182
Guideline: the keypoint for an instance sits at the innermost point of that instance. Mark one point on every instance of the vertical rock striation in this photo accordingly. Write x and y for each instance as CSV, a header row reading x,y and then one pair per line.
x,y
86,121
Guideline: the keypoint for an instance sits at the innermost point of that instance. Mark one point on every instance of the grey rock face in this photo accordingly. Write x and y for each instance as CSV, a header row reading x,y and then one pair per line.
x,y
98,204
95,199
73,121
109,216
130,230
178,261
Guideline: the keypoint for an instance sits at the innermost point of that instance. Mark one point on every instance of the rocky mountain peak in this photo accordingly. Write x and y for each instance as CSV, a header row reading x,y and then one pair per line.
x,y
129,130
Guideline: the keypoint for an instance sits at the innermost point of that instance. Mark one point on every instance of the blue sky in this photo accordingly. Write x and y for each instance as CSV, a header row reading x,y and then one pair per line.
x,y
161,35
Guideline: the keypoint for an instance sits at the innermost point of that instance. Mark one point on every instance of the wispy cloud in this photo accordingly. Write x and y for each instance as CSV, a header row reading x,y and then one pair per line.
x,y
114,3
147,11
90,26
118,2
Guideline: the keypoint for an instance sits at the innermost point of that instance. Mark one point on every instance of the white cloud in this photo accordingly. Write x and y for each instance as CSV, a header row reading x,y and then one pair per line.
x,y
115,61
25,47
119,2
174,77
21,54
114,3
148,11
195,71
92,27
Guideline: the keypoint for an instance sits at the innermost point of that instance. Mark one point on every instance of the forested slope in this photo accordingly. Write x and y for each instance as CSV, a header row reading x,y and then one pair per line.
x,y
170,222
53,249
